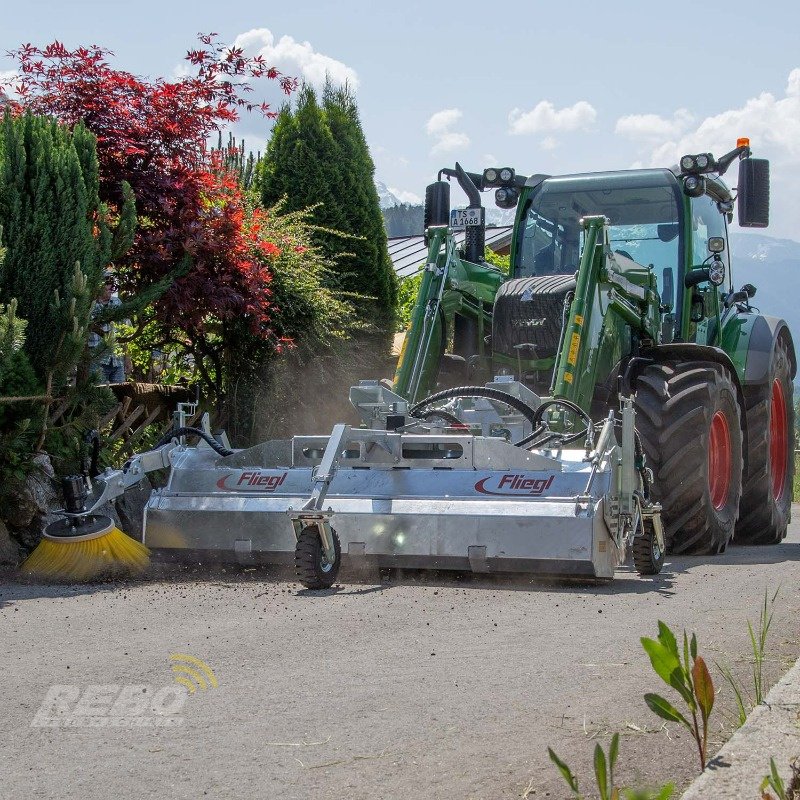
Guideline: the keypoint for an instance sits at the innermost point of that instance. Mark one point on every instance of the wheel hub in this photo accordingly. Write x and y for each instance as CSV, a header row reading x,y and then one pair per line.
x,y
720,459
778,440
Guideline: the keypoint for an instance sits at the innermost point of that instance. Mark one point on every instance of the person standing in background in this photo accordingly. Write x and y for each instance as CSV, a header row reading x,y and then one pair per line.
x,y
107,365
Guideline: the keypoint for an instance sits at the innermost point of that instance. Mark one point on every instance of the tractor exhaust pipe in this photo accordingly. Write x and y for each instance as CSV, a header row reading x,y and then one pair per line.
x,y
475,235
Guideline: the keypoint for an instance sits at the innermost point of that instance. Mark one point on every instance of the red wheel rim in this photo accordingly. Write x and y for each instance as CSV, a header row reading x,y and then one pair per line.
x,y
719,460
778,441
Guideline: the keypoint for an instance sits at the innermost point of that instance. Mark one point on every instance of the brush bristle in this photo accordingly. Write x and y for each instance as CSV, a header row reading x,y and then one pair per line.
x,y
112,555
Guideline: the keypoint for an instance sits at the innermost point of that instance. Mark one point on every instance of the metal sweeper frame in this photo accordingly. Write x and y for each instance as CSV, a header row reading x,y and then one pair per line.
x,y
404,492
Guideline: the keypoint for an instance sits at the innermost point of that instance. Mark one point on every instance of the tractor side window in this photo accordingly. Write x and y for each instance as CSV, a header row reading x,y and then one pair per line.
x,y
706,222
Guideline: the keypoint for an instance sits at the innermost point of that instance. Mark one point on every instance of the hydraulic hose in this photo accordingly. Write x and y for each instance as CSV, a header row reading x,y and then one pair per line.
x,y
479,391
452,419
209,440
540,428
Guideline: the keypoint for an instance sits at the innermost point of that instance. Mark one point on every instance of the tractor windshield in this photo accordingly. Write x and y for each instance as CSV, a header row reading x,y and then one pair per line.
x,y
642,207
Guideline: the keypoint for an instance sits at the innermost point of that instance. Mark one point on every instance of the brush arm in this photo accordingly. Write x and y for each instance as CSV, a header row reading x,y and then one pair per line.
x,y
113,483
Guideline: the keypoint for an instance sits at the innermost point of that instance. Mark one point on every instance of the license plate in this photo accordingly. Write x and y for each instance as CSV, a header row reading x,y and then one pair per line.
x,y
464,217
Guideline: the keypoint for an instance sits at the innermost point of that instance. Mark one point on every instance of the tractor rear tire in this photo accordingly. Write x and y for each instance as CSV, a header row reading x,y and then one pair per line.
x,y
688,418
313,570
766,503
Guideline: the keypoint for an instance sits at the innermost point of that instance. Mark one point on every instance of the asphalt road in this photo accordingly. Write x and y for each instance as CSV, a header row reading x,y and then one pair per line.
x,y
419,687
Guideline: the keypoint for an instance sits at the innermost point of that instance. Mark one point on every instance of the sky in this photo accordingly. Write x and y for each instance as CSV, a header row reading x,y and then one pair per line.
x,y
552,87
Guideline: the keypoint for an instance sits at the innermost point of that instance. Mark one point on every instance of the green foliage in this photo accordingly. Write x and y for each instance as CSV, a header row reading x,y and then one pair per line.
x,y
404,220
318,158
17,379
775,782
604,776
689,677
409,289
233,159
758,644
406,298
503,263
56,239
46,208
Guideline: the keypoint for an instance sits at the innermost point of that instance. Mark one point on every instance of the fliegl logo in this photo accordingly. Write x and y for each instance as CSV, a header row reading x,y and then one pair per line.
x,y
514,485
254,480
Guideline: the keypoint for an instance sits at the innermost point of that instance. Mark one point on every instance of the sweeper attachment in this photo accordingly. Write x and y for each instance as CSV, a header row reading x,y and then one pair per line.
x,y
499,480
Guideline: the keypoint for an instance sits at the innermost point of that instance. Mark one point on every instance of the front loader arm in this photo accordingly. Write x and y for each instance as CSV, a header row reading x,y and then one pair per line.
x,y
422,345
603,293
450,286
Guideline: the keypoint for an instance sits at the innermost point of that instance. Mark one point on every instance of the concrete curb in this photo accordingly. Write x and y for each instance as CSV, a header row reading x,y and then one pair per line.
x,y
771,731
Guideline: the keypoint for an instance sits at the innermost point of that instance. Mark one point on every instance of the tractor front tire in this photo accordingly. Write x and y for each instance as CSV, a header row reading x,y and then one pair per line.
x,y
313,570
766,502
688,418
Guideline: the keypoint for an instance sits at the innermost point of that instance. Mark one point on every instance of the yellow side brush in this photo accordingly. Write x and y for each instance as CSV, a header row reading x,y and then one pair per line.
x,y
90,548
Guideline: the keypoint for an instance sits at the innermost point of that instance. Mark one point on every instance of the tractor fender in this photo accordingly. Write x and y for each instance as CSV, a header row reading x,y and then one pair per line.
x,y
689,351
764,334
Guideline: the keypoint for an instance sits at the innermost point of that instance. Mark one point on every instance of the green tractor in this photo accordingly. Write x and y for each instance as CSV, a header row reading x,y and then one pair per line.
x,y
620,284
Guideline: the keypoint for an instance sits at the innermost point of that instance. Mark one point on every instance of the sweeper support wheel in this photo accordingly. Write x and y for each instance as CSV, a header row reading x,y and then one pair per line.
x,y
313,569
648,554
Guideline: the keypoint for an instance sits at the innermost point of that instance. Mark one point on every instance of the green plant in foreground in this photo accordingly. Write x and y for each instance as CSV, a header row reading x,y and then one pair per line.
x,y
775,782
758,644
689,678
604,776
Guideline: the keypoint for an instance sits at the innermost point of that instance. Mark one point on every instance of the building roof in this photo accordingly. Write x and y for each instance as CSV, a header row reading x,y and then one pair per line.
x,y
408,253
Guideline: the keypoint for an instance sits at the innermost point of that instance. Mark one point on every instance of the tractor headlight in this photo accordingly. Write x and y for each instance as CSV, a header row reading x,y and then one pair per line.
x,y
696,164
498,176
506,197
694,185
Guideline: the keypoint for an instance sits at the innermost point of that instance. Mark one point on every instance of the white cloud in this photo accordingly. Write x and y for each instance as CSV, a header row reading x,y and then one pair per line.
x,y
7,80
439,126
406,197
544,117
295,59
549,143
442,120
773,127
653,126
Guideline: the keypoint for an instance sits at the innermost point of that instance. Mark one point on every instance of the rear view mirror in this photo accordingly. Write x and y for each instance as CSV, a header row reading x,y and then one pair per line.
x,y
753,196
437,204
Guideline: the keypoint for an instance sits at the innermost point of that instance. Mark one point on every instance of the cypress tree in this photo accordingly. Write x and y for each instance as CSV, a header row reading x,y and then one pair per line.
x,y
301,166
360,198
318,156
51,220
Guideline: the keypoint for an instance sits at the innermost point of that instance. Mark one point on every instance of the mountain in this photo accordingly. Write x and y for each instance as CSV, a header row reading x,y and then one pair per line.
x,y
387,199
773,267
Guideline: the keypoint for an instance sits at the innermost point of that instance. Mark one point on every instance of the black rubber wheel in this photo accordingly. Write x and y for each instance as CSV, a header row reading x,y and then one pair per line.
x,y
766,502
648,557
313,570
689,421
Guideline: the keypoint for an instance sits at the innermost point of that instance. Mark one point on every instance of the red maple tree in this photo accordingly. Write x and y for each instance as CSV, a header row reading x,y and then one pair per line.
x,y
154,134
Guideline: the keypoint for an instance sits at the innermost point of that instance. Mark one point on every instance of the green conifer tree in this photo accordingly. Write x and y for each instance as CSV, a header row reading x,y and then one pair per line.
x,y
374,274
318,157
51,221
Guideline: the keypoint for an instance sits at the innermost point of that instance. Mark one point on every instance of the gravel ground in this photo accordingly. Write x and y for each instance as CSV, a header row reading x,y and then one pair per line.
x,y
416,686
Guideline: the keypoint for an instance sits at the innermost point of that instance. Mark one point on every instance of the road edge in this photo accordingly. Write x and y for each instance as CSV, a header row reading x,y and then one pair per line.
x,y
772,730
